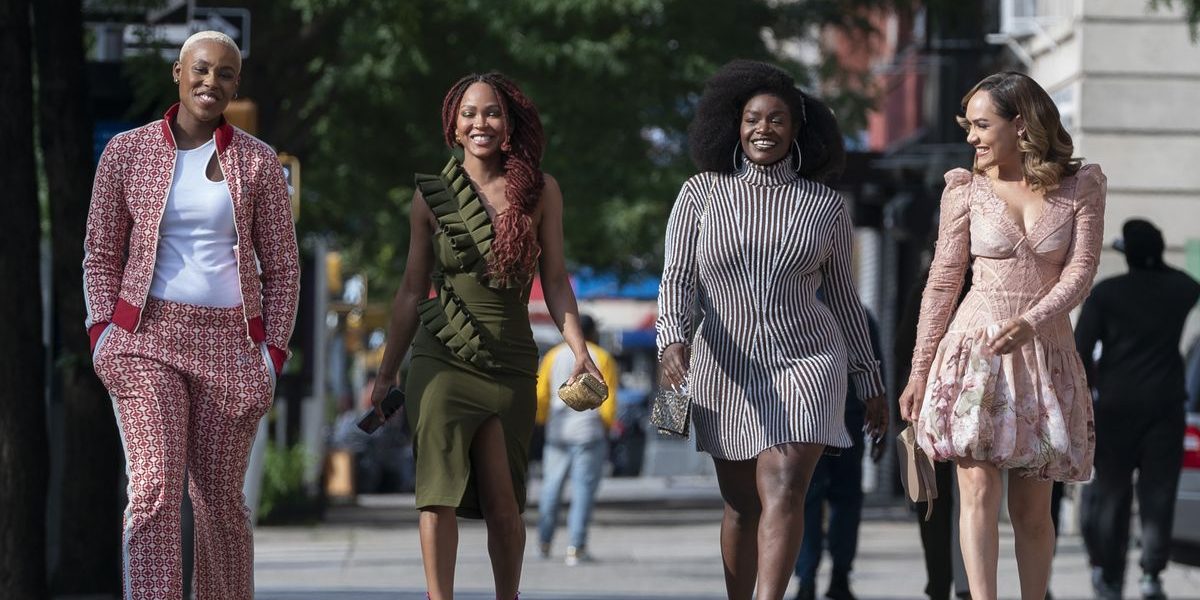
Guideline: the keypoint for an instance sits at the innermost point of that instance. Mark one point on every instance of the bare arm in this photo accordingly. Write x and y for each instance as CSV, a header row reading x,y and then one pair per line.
x,y
413,289
560,298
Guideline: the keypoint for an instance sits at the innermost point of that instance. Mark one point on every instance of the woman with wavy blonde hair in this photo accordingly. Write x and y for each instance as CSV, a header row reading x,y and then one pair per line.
x,y
997,384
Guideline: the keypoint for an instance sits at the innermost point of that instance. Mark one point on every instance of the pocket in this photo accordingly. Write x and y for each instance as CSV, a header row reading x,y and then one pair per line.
x,y
268,363
100,342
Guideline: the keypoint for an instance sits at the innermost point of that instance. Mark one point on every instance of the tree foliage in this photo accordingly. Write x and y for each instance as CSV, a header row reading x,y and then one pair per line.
x,y
354,88
23,446
1191,11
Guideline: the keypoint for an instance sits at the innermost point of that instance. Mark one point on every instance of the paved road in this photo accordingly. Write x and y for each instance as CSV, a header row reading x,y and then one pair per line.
x,y
646,549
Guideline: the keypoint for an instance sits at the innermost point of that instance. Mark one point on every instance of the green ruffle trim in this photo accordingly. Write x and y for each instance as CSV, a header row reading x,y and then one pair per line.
x,y
460,215
447,318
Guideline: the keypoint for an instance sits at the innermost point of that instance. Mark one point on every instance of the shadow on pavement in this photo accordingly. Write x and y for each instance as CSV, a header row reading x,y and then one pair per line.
x,y
420,595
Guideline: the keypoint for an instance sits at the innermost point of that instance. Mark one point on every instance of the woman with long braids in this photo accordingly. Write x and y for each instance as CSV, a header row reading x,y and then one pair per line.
x,y
752,238
479,231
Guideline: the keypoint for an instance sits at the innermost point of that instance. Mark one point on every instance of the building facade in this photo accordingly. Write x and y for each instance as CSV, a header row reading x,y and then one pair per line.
x,y
1124,77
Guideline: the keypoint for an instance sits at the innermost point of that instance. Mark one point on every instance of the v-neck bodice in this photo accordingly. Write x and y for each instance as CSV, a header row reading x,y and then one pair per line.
x,y
1037,275
997,234
1027,410
1019,226
472,318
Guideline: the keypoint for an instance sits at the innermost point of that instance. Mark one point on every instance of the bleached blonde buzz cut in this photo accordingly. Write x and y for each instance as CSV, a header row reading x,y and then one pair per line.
x,y
208,36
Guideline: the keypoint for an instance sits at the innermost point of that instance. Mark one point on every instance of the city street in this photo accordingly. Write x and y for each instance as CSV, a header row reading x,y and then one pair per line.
x,y
645,549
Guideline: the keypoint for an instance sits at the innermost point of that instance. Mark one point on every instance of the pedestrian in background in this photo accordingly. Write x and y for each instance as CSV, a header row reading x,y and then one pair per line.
x,y
837,481
479,230
382,460
751,238
192,276
576,444
944,570
996,384
1137,320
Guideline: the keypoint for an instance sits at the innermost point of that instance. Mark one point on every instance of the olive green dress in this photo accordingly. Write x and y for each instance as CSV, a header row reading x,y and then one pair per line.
x,y
472,357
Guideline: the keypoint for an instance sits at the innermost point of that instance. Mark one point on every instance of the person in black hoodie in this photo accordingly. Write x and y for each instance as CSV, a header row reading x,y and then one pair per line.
x,y
1137,319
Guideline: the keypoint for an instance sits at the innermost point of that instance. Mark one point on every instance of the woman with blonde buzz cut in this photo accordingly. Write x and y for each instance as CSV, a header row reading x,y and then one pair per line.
x,y
997,385
191,278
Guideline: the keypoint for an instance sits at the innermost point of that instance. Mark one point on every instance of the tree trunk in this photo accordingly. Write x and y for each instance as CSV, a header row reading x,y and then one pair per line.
x,y
22,377
90,524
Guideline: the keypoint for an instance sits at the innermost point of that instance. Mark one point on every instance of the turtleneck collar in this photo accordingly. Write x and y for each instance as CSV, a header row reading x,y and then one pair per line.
x,y
779,173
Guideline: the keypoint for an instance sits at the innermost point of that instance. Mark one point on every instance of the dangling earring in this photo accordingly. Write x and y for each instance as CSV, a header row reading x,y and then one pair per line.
x,y
799,157
737,164
505,146
458,139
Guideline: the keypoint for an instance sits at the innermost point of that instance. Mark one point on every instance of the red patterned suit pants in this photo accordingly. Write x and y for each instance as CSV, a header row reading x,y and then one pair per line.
x,y
189,389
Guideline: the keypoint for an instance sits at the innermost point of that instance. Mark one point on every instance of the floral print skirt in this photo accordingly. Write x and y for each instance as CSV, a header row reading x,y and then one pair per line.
x,y
1029,411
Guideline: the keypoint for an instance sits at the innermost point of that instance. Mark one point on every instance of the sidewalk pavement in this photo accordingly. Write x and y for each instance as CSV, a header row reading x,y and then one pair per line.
x,y
653,538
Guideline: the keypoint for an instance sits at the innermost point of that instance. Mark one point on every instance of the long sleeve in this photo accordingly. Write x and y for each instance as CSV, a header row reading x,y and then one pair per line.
x,y
105,243
1084,255
951,257
275,244
677,291
842,299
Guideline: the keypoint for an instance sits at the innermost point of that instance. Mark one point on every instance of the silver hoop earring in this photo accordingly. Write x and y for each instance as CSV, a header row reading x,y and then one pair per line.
x,y
799,157
737,165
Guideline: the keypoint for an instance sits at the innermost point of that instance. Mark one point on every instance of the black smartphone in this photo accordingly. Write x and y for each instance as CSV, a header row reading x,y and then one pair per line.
x,y
392,403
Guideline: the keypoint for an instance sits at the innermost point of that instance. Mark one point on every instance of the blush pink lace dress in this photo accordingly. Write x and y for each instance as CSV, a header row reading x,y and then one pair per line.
x,y
1029,410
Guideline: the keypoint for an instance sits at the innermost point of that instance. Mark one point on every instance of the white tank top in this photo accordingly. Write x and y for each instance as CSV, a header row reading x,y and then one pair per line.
x,y
196,263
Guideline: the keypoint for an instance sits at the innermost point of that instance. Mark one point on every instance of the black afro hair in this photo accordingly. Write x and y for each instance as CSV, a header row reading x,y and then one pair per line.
x,y
713,133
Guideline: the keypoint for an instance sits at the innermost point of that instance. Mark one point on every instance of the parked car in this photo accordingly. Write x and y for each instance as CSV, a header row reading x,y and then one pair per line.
x,y
1185,536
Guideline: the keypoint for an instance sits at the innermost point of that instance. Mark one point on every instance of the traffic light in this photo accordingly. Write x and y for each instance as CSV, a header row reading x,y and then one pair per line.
x,y
243,114
291,172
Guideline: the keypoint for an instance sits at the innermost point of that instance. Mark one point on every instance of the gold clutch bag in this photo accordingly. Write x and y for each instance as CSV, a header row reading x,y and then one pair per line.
x,y
585,394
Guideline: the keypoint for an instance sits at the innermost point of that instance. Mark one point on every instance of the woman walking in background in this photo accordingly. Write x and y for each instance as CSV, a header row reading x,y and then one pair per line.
x,y
996,384
479,231
752,237
191,276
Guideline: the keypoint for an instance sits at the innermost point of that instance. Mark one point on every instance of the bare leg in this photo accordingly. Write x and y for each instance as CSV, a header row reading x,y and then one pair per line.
x,y
1029,509
506,528
739,526
782,477
979,487
438,528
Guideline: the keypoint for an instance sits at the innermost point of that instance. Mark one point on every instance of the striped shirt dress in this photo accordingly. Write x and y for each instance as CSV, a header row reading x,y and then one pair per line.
x,y
769,360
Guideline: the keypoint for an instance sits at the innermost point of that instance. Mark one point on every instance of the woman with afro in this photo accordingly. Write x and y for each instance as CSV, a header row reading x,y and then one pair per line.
x,y
752,238
479,231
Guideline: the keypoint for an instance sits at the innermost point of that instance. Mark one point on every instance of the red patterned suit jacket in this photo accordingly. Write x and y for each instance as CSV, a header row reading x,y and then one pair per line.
x,y
129,196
